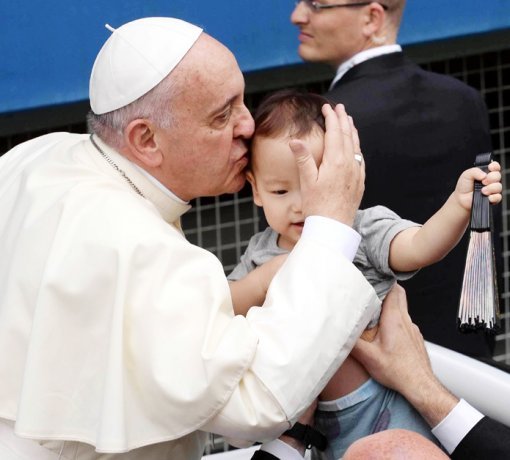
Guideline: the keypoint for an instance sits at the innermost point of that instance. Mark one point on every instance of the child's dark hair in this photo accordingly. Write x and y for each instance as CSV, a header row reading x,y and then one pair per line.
x,y
289,112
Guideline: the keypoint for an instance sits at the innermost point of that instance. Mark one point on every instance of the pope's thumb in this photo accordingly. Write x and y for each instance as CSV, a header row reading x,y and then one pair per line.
x,y
305,162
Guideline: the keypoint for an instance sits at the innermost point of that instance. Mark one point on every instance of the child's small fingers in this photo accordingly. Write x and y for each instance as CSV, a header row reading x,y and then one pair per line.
x,y
494,166
492,177
491,189
496,198
495,187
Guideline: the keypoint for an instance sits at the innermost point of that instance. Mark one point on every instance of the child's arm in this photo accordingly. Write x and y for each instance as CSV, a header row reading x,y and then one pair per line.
x,y
418,247
251,290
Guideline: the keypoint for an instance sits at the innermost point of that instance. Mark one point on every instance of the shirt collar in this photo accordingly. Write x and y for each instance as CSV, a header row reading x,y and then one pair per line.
x,y
362,56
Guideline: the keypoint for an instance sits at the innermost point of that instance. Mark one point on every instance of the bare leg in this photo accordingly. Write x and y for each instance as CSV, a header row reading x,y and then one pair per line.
x,y
350,376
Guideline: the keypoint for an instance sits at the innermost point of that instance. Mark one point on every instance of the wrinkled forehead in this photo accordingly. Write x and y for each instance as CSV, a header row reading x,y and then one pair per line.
x,y
208,58
207,77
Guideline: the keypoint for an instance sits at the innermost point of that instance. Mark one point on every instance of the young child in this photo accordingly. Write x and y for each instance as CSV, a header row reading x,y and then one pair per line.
x,y
352,405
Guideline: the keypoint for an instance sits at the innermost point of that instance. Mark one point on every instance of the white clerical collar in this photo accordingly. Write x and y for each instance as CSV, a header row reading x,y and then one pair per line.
x,y
158,184
362,56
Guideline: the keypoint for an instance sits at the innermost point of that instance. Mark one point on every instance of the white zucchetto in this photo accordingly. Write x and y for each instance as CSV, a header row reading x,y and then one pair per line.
x,y
135,58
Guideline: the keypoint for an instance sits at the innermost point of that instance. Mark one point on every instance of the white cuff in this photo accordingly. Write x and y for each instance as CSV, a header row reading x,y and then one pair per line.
x,y
340,237
281,450
456,425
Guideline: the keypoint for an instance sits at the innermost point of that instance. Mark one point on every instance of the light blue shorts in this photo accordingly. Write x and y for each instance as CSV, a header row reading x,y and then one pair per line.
x,y
368,409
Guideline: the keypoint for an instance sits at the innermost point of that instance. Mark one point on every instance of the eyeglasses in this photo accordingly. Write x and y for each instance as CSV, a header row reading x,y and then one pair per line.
x,y
316,6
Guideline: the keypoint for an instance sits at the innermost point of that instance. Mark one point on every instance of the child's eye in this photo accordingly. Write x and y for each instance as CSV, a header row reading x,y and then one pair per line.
x,y
279,192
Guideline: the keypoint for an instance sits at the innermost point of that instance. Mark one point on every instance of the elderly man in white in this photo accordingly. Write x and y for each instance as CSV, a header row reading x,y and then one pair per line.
x,y
117,336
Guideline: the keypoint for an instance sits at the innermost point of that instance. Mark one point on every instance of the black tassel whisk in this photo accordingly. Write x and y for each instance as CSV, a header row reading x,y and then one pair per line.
x,y
479,300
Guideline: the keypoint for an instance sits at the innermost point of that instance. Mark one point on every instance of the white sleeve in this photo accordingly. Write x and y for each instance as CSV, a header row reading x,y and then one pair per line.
x,y
340,237
456,425
316,308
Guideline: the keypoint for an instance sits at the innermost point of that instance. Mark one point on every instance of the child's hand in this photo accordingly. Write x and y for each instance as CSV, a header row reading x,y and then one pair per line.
x,y
491,181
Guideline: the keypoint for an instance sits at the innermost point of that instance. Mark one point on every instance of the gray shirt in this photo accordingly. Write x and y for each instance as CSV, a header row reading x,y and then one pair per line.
x,y
377,227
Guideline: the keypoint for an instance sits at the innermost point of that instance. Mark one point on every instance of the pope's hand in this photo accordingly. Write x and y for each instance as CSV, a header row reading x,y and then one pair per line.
x,y
334,188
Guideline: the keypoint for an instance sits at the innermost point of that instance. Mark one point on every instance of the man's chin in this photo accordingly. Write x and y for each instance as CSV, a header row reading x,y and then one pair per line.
x,y
308,54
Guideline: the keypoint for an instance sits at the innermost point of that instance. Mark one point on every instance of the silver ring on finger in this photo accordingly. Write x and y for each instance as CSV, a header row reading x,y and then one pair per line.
x,y
358,157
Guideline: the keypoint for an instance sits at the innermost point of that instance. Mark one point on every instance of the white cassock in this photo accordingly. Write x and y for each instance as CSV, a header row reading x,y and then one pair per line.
x,y
118,335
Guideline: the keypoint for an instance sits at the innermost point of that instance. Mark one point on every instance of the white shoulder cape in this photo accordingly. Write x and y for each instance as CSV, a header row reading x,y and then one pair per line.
x,y
99,342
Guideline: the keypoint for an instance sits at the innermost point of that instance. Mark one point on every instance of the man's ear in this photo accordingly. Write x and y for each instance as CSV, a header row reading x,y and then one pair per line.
x,y
139,137
256,196
374,26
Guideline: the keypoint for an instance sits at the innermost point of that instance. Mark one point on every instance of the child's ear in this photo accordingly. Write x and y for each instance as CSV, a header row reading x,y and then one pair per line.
x,y
256,196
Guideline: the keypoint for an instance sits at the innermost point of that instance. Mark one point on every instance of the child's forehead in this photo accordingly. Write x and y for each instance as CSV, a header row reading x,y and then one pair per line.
x,y
267,149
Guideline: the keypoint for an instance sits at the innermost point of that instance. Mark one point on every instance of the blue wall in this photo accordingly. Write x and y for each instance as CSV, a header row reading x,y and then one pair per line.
x,y
48,46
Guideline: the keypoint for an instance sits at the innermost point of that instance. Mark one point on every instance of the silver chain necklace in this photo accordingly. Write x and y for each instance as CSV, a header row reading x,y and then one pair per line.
x,y
114,166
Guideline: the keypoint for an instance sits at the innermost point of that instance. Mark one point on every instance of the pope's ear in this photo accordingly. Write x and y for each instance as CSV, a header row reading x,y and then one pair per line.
x,y
139,137
256,196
